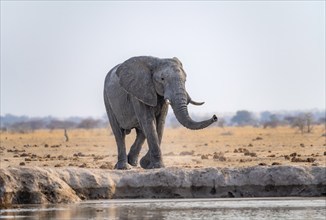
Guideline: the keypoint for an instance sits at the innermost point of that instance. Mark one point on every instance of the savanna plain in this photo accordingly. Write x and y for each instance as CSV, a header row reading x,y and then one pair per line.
x,y
211,147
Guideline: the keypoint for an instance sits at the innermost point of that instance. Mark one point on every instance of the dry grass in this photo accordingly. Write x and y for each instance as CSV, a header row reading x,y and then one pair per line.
x,y
212,147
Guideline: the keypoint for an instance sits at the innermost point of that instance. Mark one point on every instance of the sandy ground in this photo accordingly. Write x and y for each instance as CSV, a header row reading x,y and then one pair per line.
x,y
211,147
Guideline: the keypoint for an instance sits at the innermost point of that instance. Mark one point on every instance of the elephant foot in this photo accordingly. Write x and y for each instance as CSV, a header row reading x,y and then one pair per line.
x,y
154,165
147,163
122,165
133,160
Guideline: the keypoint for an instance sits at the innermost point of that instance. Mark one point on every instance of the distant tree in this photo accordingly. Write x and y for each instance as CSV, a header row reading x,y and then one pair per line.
x,y
322,121
304,122
309,121
58,124
89,123
289,120
21,127
273,121
221,122
265,116
9,119
243,117
27,126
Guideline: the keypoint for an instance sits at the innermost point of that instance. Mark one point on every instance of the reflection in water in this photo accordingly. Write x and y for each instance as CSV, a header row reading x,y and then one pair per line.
x,y
268,208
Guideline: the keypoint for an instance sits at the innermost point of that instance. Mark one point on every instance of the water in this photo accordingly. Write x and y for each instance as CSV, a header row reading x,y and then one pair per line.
x,y
244,208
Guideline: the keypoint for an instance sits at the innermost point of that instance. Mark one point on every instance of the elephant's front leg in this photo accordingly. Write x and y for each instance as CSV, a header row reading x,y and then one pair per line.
x,y
160,121
147,121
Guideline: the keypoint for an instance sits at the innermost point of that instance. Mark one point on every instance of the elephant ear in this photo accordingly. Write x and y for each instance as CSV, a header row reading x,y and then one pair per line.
x,y
177,60
136,78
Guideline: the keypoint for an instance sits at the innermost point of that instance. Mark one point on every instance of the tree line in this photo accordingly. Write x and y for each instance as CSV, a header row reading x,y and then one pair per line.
x,y
26,124
303,121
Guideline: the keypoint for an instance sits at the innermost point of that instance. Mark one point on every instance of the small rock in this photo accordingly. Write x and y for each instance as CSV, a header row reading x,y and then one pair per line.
x,y
247,153
293,154
287,157
169,154
21,164
204,157
219,156
310,160
295,159
185,153
83,165
79,154
253,154
55,146
107,165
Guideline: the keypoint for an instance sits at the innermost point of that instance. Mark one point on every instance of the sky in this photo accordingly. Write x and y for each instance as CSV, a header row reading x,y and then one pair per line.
x,y
253,55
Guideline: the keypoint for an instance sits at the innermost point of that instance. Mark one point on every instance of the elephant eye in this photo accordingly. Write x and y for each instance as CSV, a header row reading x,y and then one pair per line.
x,y
162,79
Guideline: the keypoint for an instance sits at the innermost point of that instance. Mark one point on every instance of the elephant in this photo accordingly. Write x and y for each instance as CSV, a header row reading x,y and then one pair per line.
x,y
137,94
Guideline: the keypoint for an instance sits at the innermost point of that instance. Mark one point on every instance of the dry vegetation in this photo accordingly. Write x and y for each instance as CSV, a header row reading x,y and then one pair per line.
x,y
212,147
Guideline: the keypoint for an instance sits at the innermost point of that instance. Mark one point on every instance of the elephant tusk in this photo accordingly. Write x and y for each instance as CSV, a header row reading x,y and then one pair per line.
x,y
196,103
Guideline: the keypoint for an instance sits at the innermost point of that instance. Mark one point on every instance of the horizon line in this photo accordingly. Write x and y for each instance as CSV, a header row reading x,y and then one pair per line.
x,y
191,113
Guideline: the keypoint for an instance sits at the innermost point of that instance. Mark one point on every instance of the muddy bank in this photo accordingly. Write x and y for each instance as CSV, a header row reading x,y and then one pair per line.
x,y
62,185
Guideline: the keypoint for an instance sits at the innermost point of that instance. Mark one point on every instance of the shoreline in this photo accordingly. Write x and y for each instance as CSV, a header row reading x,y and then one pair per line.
x,y
44,185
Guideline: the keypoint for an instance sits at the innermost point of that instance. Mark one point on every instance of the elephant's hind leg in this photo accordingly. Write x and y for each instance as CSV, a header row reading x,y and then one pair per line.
x,y
119,135
135,148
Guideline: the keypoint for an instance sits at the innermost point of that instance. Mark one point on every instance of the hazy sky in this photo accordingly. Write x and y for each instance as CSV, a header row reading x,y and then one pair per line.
x,y
253,55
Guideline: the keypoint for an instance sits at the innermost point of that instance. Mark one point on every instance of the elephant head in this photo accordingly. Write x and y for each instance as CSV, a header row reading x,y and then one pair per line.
x,y
147,77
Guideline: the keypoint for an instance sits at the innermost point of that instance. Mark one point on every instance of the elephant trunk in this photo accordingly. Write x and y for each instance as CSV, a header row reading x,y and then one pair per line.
x,y
179,106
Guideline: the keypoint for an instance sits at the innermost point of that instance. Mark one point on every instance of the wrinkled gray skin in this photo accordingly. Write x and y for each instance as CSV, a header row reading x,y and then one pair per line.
x,y
136,95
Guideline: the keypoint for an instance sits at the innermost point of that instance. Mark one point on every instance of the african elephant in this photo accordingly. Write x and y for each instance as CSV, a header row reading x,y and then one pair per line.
x,y
137,93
